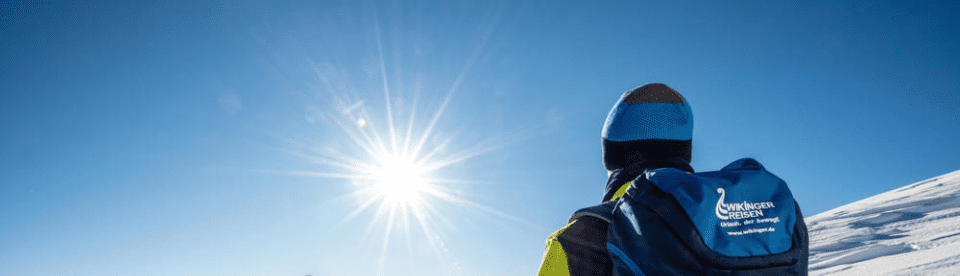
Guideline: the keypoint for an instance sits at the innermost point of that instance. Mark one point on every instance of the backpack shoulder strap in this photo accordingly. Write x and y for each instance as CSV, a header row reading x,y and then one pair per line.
x,y
603,211
585,240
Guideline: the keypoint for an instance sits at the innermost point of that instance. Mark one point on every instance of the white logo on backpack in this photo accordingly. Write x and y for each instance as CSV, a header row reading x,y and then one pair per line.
x,y
739,210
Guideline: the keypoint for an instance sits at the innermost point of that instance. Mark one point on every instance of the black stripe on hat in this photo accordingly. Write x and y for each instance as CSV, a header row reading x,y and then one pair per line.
x,y
617,155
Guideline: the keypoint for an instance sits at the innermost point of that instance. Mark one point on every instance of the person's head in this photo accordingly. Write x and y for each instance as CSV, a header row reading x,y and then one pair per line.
x,y
650,122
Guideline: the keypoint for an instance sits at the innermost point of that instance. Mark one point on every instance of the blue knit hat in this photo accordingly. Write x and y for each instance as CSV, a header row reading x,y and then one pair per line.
x,y
651,122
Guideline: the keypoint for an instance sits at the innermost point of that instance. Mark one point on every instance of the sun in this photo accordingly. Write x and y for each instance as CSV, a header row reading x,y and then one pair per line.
x,y
397,157
398,179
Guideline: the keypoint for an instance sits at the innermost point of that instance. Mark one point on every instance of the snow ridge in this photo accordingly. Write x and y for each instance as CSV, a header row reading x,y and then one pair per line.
x,y
913,230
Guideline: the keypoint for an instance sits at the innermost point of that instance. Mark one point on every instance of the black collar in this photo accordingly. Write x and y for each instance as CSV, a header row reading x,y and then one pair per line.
x,y
632,171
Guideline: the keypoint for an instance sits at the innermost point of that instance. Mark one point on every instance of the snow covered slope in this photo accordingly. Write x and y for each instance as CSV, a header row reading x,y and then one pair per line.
x,y
913,230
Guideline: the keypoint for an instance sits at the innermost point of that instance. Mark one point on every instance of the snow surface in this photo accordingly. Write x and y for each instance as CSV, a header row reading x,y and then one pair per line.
x,y
913,230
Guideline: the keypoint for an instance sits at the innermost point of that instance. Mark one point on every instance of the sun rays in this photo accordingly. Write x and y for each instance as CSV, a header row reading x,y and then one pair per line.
x,y
392,144
398,174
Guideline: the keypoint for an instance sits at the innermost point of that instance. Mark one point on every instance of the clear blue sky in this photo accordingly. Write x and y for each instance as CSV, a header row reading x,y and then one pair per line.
x,y
203,139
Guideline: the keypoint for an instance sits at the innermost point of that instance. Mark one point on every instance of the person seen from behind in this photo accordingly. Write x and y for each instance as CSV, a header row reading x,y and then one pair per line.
x,y
659,217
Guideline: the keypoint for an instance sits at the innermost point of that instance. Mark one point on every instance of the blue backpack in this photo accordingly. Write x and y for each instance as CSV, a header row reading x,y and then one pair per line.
x,y
740,220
